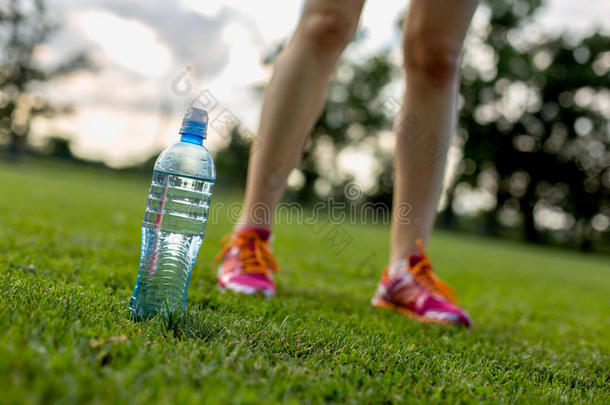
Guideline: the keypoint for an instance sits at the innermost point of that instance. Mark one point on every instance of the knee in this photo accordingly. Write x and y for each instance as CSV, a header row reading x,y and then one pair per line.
x,y
435,59
328,31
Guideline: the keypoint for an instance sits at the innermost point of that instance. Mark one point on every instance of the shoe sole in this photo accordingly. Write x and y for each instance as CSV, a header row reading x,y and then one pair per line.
x,y
247,291
381,303
241,289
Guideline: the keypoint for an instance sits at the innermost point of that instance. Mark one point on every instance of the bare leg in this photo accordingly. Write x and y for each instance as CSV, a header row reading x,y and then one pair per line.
x,y
434,31
293,101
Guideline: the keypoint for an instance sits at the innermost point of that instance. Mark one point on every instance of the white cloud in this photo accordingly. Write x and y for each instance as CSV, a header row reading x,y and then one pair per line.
x,y
209,8
126,42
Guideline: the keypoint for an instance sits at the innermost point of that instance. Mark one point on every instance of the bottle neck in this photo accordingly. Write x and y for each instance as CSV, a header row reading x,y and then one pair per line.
x,y
193,132
189,138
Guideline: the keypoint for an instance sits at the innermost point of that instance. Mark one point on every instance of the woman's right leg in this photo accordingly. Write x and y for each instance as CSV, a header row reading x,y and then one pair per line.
x,y
293,100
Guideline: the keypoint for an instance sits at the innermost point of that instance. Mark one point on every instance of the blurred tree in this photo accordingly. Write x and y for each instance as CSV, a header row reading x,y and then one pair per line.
x,y
536,128
25,26
232,160
59,148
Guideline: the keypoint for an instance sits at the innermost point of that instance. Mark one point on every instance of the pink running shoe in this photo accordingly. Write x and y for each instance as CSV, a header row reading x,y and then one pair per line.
x,y
413,290
246,264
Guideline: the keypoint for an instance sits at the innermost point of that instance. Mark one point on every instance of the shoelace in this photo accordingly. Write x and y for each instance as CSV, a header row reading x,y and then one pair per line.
x,y
254,252
423,273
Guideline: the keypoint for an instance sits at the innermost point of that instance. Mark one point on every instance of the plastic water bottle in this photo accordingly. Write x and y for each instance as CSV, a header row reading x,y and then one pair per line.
x,y
174,221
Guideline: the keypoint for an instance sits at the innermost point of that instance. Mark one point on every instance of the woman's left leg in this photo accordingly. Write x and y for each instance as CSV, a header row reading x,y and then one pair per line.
x,y
433,33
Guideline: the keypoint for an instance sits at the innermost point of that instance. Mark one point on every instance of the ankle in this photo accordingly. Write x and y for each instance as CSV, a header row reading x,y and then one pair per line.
x,y
397,267
403,250
263,232
249,223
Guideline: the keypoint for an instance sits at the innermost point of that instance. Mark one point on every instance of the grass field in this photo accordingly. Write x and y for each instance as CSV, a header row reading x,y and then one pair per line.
x,y
69,251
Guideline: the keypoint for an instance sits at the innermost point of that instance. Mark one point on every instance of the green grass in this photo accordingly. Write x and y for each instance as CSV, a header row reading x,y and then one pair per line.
x,y
69,250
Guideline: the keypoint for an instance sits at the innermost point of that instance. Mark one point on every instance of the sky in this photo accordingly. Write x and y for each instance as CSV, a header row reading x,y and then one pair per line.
x,y
154,58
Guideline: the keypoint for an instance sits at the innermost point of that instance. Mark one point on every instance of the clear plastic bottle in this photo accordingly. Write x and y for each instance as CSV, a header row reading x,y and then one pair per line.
x,y
174,221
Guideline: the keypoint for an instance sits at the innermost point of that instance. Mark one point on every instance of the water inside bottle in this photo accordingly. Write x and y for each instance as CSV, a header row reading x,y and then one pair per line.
x,y
172,233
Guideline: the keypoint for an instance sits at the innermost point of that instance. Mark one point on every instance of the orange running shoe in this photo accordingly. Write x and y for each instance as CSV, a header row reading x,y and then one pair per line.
x,y
411,288
246,263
